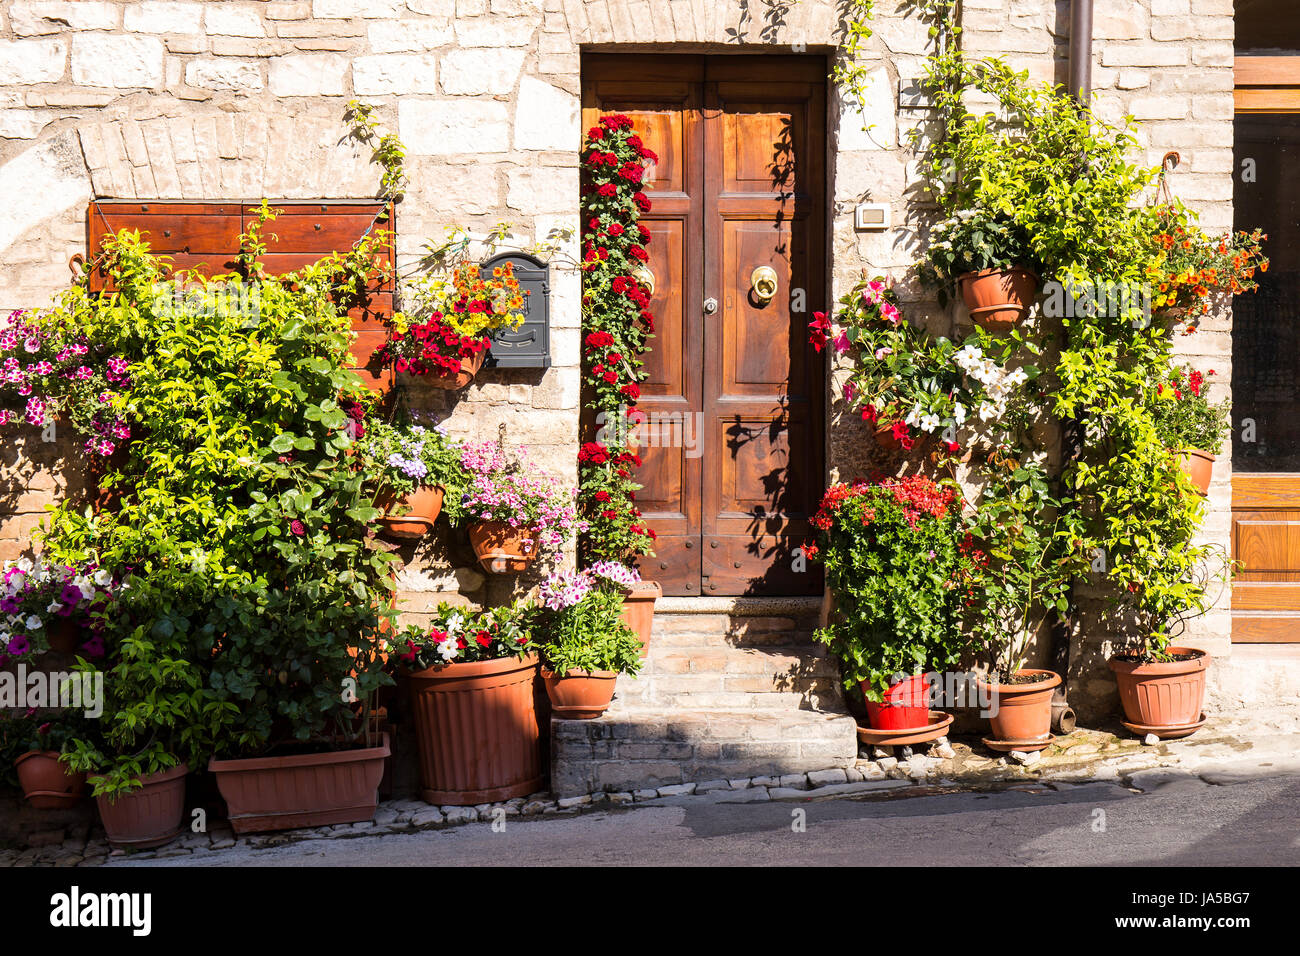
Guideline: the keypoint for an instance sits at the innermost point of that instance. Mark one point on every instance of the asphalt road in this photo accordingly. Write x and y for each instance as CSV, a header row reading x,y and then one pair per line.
x,y
1224,818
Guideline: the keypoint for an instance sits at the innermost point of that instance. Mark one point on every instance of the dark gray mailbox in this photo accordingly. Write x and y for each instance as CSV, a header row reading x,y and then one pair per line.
x,y
528,346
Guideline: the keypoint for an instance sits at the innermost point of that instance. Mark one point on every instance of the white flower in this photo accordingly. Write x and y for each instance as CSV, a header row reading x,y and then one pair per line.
x,y
1018,377
988,410
87,589
54,607
914,417
102,577
453,624
34,623
959,412
929,422
447,649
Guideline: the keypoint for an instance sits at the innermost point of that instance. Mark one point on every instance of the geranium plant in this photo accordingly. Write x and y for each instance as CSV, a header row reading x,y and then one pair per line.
x,y
893,558
616,324
580,623
457,635
1184,415
511,489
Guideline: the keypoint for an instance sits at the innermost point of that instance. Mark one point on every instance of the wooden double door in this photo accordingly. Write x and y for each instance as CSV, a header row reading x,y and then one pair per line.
x,y
733,439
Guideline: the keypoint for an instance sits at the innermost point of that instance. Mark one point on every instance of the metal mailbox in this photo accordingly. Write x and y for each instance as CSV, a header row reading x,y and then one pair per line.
x,y
528,346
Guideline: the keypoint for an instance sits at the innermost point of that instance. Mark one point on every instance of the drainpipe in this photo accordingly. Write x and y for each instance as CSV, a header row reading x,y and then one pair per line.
x,y
1080,87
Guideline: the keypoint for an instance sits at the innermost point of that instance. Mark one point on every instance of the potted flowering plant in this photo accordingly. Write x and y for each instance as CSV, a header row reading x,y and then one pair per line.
x,y
445,338
1192,267
515,509
987,254
472,676
1191,426
52,607
584,641
36,743
415,468
893,562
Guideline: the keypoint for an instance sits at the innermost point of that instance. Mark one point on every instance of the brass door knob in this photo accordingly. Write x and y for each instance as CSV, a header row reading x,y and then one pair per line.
x,y
763,282
643,275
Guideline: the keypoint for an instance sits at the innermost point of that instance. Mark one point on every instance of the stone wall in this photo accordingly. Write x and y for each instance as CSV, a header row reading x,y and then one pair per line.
x,y
180,99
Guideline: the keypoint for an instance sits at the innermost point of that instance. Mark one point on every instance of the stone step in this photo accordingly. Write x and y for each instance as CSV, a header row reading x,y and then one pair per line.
x,y
632,748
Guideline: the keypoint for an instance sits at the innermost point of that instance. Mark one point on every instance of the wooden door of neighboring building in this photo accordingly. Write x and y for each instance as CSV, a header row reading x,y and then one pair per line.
x,y
740,184
1266,357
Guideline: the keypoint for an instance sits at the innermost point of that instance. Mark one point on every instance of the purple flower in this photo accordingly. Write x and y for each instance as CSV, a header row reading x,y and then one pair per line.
x,y
93,647
70,595
18,645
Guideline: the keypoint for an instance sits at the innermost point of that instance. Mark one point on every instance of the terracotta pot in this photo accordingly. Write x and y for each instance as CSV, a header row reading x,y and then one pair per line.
x,y
1024,711
884,437
1162,694
422,507
906,705
477,731
639,610
148,817
998,298
304,790
502,549
1198,466
468,369
579,695
64,635
46,783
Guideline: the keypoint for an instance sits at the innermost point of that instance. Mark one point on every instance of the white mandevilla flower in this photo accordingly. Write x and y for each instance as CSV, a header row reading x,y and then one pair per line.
x,y
913,417
929,422
447,649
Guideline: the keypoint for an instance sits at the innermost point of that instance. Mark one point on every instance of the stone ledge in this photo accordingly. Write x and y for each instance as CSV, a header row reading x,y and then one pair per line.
x,y
741,606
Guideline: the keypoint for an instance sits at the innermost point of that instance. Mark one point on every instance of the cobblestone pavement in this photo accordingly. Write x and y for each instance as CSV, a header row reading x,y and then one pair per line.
x,y
1224,749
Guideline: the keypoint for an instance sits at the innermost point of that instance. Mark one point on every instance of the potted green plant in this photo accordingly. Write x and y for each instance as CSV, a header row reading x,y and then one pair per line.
x,y
1191,426
893,562
584,641
515,511
987,254
414,469
473,676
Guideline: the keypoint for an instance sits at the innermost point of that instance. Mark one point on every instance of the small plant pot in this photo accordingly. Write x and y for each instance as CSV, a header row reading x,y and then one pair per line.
x,y
639,610
422,507
1162,694
906,706
468,369
147,817
303,790
477,732
998,299
48,784
1198,466
502,549
63,635
1023,711
579,695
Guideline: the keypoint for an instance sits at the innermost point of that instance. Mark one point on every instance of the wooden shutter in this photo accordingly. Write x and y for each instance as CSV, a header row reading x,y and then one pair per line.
x,y
205,237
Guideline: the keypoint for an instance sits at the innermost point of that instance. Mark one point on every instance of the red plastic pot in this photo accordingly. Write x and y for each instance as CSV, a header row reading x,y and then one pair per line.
x,y
46,783
998,298
639,610
1162,694
422,507
906,706
502,549
149,816
1198,466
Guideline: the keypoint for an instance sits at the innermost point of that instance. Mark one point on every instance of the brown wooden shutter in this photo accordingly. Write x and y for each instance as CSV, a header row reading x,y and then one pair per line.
x,y
205,237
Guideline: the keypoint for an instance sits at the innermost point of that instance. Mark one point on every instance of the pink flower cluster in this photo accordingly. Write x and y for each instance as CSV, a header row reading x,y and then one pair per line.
x,y
564,589
517,493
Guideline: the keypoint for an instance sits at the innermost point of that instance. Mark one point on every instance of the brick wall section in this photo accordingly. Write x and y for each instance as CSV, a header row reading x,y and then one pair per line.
x,y
237,99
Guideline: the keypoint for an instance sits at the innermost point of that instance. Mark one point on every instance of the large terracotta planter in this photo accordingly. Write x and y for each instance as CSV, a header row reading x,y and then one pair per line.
x,y
906,706
468,369
1198,466
304,790
998,299
1162,695
148,817
502,549
639,610
579,695
46,783
477,731
421,507
1023,712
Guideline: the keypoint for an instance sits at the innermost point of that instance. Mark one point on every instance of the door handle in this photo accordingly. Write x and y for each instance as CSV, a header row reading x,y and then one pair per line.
x,y
763,282
643,275
710,305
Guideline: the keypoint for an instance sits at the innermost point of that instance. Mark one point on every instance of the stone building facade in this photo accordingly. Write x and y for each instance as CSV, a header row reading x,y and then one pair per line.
x,y
182,100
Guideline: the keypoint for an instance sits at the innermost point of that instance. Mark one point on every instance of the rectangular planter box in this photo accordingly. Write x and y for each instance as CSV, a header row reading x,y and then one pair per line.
x,y
308,790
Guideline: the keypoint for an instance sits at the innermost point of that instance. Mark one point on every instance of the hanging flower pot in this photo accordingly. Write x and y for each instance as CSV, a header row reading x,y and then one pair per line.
x,y
639,610
1021,716
501,548
1162,697
906,706
998,299
302,790
419,510
579,695
149,816
1198,466
477,731
468,369
46,783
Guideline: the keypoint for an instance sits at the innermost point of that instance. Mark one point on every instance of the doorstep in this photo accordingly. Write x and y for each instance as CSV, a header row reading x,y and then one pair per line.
x,y
1226,748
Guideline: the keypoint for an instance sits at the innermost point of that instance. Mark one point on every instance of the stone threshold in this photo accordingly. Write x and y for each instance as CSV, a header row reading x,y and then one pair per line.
x,y
1225,749
741,606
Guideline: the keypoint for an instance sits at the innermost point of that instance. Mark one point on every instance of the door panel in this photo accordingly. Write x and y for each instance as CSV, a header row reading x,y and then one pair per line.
x,y
1266,367
739,185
